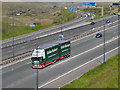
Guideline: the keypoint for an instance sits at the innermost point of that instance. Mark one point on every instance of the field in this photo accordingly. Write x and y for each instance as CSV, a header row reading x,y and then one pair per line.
x,y
43,14
102,76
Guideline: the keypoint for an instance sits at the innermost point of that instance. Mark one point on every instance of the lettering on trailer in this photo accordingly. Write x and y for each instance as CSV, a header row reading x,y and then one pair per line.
x,y
65,50
51,51
64,46
51,56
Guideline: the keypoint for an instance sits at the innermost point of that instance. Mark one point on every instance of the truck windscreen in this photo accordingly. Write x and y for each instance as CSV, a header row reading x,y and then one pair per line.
x,y
36,58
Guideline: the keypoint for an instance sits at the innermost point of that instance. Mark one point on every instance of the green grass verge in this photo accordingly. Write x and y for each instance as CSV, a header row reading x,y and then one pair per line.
x,y
98,17
67,16
102,76
20,30
97,13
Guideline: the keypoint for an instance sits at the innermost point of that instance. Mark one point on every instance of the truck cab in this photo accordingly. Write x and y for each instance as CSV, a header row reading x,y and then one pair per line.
x,y
37,58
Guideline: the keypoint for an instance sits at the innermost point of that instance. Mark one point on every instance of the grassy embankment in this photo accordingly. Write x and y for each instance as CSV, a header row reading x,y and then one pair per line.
x,y
102,76
43,15
97,11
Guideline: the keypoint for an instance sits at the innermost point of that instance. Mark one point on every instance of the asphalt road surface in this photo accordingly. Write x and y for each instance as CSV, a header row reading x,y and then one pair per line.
x,y
36,34
33,35
21,75
29,45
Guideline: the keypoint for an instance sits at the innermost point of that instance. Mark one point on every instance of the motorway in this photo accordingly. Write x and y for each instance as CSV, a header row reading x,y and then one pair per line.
x,y
29,45
36,34
21,75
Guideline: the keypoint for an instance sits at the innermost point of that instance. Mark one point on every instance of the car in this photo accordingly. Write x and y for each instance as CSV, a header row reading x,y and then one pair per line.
x,y
114,13
92,23
98,35
107,21
89,15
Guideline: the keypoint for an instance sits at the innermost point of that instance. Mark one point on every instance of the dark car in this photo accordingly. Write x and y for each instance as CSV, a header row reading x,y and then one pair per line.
x,y
98,35
114,13
107,21
92,23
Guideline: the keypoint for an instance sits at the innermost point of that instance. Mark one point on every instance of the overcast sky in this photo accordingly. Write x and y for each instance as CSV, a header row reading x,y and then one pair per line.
x,y
58,0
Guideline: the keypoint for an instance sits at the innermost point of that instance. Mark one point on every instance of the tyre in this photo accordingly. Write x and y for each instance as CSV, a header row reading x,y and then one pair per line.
x,y
53,62
43,66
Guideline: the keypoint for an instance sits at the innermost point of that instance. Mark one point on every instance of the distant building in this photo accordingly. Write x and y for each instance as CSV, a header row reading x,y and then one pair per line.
x,y
65,7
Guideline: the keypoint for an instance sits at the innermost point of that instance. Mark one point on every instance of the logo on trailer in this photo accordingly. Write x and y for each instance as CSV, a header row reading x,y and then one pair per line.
x,y
51,51
65,46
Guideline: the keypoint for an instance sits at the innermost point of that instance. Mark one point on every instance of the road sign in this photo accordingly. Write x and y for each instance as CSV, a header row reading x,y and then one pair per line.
x,y
71,9
116,4
88,4
60,36
32,25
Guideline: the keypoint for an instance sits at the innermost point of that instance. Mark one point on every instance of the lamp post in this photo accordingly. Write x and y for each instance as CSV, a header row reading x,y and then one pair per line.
x,y
114,6
91,23
61,35
104,37
13,31
104,46
61,21
103,9
37,65
59,88
72,11
37,68
119,28
106,21
111,11
7,28
7,25
37,77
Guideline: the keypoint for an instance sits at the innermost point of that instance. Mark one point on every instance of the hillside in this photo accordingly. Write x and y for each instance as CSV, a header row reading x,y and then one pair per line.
x,y
43,14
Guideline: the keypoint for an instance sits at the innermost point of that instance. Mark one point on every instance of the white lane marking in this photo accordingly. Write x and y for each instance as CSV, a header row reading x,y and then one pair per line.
x,y
28,62
35,43
85,52
14,69
12,63
22,47
68,29
48,34
93,33
76,68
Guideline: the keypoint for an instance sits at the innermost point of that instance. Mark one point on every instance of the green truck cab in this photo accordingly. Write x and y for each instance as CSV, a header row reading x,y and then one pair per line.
x,y
50,53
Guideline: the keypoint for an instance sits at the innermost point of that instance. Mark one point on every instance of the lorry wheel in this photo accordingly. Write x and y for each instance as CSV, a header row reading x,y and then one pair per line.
x,y
43,66
68,55
53,62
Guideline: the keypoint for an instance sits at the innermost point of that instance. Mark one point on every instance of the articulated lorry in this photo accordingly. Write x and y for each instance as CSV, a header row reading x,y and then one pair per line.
x,y
50,53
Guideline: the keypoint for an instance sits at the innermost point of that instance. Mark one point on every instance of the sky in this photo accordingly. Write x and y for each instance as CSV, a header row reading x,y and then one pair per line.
x,y
60,0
